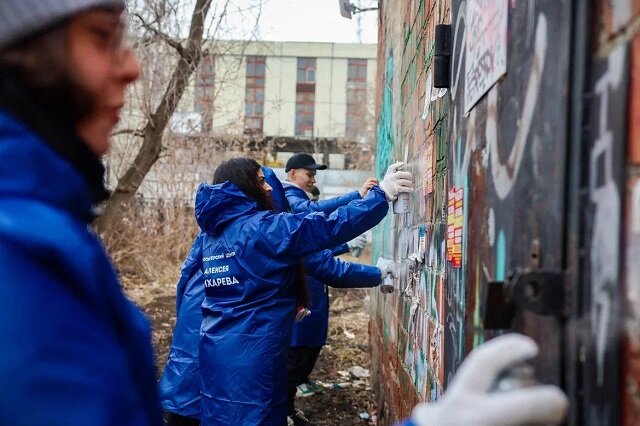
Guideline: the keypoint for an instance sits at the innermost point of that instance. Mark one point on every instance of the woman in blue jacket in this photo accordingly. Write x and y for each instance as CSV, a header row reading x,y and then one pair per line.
x,y
180,381
74,350
252,279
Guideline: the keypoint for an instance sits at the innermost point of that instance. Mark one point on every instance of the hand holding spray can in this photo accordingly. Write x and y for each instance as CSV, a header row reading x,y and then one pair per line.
x,y
387,283
401,203
387,269
516,377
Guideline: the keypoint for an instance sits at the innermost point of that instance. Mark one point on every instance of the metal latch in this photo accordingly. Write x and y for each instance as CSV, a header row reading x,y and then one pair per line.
x,y
535,290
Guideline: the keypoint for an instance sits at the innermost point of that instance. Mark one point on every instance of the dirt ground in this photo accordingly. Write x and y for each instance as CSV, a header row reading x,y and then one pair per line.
x,y
347,400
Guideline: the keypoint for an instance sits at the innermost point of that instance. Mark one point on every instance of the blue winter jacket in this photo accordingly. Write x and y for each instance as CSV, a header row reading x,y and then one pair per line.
x,y
250,262
312,330
299,201
180,381
74,350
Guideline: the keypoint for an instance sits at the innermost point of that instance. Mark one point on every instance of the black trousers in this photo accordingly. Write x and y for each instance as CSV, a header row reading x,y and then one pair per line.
x,y
300,363
174,419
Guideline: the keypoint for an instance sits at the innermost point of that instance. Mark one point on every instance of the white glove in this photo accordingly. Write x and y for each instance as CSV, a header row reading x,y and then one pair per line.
x,y
396,181
358,243
468,400
386,266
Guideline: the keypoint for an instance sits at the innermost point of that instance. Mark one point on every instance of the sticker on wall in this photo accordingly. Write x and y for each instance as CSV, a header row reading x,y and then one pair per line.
x,y
427,177
422,244
486,48
454,226
430,94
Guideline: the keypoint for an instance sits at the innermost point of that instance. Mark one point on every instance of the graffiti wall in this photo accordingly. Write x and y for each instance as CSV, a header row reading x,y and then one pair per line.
x,y
408,326
502,187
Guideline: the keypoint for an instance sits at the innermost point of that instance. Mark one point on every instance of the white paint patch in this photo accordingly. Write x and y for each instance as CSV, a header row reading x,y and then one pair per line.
x,y
438,93
621,13
635,208
427,95
491,227
605,195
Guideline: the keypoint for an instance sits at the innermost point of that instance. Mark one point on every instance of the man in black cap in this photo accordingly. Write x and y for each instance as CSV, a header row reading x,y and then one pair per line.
x,y
310,334
301,177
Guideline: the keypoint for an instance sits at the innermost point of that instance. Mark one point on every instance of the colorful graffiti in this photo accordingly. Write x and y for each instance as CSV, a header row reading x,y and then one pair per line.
x,y
500,159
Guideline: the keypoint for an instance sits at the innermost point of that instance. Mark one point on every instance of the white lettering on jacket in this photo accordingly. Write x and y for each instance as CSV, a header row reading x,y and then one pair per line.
x,y
222,281
216,270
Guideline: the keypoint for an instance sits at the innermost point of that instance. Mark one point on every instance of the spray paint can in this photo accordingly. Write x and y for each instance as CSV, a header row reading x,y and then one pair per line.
x,y
356,252
401,204
387,283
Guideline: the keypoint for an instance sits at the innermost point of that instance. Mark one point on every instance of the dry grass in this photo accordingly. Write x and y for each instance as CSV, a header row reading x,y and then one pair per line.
x,y
148,247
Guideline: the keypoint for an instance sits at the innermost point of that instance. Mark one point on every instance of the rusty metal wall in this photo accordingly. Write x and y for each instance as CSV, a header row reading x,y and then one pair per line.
x,y
615,174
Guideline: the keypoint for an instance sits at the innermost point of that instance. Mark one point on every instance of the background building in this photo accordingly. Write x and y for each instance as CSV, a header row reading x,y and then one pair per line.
x,y
268,100
297,93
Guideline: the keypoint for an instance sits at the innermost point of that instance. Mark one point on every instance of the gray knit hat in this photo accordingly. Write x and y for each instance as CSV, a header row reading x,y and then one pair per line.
x,y
21,18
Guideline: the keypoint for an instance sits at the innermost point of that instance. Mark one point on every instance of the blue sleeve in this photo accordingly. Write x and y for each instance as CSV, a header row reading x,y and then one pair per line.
x,y
278,196
338,273
407,422
191,265
62,363
301,204
341,249
297,235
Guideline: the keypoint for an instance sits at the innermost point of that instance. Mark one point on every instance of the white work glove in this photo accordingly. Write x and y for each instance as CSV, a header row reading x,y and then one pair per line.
x,y
468,400
386,266
396,181
358,243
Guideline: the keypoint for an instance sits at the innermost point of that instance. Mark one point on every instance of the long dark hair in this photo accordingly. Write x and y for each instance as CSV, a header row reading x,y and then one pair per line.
x,y
243,172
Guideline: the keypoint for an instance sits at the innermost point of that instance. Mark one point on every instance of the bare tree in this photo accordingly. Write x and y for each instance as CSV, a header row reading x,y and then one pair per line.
x,y
156,32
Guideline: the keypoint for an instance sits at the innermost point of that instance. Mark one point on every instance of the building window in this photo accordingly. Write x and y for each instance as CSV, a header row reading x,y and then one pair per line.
x,y
305,96
254,95
203,98
306,70
356,119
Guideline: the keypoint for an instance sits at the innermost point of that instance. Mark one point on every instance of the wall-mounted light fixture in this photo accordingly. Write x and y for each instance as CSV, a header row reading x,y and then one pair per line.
x,y
348,9
442,56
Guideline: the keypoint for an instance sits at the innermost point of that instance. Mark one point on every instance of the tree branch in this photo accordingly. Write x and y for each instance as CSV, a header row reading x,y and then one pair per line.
x,y
164,37
135,132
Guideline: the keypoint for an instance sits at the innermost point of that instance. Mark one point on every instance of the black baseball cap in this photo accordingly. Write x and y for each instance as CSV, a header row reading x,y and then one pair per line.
x,y
302,160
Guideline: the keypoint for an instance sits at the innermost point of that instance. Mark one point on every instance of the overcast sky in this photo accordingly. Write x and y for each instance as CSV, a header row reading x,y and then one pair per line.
x,y
316,20
279,20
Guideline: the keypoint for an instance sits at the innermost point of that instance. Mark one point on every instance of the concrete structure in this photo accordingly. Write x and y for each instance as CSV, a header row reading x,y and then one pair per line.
x,y
277,80
540,172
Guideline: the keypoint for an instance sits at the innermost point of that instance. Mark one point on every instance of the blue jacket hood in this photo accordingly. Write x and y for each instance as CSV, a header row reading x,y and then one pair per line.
x,y
219,205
